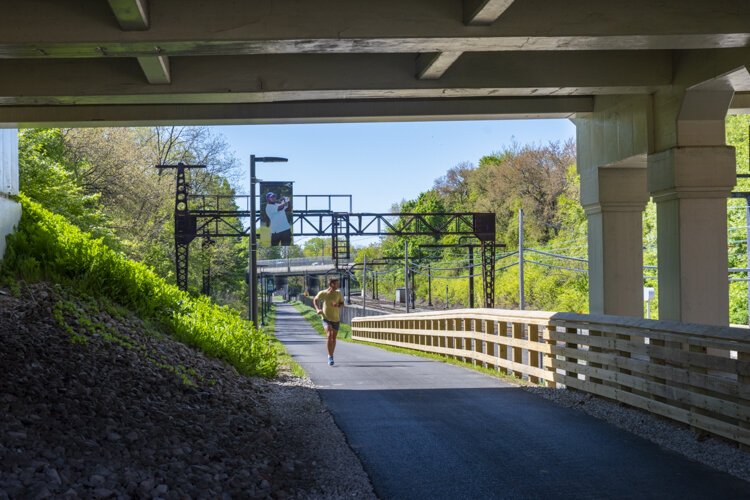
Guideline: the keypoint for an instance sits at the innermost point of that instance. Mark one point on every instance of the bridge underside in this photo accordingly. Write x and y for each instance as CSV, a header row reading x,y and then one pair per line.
x,y
648,85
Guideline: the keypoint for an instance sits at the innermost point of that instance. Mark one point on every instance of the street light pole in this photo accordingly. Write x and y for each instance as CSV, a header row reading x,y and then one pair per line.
x,y
252,303
252,313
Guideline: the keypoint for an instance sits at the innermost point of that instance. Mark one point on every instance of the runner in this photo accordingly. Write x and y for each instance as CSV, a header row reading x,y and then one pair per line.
x,y
327,303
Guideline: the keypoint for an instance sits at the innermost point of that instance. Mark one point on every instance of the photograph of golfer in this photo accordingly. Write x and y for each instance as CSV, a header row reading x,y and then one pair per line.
x,y
276,211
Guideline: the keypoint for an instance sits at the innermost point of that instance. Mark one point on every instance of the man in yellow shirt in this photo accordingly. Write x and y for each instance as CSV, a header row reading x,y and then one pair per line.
x,y
328,303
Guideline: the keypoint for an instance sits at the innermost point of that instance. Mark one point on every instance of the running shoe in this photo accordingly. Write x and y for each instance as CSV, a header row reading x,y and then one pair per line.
x,y
330,360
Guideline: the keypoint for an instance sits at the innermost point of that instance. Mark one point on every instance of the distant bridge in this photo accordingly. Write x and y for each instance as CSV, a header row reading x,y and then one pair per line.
x,y
298,266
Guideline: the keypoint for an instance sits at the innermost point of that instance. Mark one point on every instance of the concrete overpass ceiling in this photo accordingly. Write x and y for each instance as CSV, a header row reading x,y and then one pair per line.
x,y
132,61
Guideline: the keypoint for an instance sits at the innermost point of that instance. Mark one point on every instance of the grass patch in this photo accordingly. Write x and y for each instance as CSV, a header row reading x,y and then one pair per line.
x,y
309,314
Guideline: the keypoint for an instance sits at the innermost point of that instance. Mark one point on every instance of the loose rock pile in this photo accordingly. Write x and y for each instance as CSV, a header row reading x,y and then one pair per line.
x,y
131,414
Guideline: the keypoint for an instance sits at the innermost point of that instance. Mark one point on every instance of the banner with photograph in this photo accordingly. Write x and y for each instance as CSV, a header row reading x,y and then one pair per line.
x,y
276,214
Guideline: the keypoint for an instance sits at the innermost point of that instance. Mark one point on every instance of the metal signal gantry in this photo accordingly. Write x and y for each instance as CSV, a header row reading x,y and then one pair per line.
x,y
203,214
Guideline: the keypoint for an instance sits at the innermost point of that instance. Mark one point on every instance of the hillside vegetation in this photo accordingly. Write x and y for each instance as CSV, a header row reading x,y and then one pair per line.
x,y
48,247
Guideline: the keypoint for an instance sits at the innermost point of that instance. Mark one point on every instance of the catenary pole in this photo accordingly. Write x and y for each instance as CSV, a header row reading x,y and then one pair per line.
x,y
521,301
406,274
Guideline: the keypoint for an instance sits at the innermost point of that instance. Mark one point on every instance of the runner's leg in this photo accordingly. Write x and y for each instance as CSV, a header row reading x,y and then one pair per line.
x,y
331,339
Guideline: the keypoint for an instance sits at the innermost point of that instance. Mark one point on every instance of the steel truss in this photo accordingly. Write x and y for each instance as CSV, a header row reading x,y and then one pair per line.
x,y
202,214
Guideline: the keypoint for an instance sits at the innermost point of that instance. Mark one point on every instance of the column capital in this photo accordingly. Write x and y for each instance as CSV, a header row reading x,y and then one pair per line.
x,y
621,188
692,172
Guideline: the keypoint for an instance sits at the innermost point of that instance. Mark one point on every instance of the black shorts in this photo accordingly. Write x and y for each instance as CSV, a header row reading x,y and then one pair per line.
x,y
282,238
334,324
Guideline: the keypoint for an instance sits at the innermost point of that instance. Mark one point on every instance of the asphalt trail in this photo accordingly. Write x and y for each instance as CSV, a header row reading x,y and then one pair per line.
x,y
425,429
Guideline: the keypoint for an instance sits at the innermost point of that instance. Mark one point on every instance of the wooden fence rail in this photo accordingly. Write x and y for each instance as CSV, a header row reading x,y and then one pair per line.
x,y
695,374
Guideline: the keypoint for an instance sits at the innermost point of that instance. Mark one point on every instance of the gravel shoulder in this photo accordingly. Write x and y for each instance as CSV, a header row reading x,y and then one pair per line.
x,y
127,413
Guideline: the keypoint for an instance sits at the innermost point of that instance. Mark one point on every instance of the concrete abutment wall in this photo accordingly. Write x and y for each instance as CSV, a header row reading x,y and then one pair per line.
x,y
10,210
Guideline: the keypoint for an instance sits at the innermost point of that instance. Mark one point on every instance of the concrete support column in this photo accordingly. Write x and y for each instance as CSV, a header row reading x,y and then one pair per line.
x,y
615,239
10,210
612,144
690,186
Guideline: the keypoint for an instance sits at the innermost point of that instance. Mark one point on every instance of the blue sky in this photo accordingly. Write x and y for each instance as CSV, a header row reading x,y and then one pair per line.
x,y
379,164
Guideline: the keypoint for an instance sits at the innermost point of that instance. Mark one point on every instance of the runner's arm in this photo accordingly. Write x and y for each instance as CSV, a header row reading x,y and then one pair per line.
x,y
318,310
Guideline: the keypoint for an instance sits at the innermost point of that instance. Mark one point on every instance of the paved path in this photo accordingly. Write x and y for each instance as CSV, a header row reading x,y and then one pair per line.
x,y
425,429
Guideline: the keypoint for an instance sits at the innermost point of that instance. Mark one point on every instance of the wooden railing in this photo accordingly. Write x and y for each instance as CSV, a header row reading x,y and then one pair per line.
x,y
695,374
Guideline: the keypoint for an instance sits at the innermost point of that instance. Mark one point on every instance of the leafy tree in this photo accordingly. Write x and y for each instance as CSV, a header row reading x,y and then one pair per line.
x,y
737,130
104,180
453,187
317,247
529,177
50,178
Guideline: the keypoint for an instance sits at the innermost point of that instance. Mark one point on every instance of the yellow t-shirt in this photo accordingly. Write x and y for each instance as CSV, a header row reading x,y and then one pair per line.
x,y
330,301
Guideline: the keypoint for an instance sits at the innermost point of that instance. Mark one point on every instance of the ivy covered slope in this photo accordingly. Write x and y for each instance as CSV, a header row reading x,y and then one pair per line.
x,y
47,246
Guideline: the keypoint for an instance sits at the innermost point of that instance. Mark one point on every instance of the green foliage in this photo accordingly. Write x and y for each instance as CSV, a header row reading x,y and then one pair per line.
x,y
317,247
540,179
737,131
47,246
47,176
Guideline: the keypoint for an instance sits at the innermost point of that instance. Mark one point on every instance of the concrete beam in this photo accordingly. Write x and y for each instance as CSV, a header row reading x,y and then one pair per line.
x,y
131,14
433,66
740,104
85,29
381,110
315,77
156,69
484,12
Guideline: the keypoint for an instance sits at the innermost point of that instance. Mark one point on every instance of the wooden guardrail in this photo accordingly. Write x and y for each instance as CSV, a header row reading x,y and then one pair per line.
x,y
694,374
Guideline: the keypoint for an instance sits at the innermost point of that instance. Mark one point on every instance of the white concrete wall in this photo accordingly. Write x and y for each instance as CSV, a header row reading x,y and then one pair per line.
x,y
10,211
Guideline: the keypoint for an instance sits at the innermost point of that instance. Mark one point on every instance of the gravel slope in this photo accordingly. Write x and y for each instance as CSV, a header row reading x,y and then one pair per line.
x,y
125,414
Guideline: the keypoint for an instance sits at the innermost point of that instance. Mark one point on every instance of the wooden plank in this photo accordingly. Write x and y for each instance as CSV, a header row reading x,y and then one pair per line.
x,y
672,395
517,352
533,353
737,340
724,386
664,353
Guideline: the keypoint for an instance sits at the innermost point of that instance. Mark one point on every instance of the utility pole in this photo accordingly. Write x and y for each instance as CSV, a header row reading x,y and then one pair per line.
x,y
406,274
429,284
252,296
521,301
364,284
471,277
252,299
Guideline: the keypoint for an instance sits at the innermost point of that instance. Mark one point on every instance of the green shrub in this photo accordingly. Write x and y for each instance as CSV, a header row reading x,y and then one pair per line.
x,y
47,246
